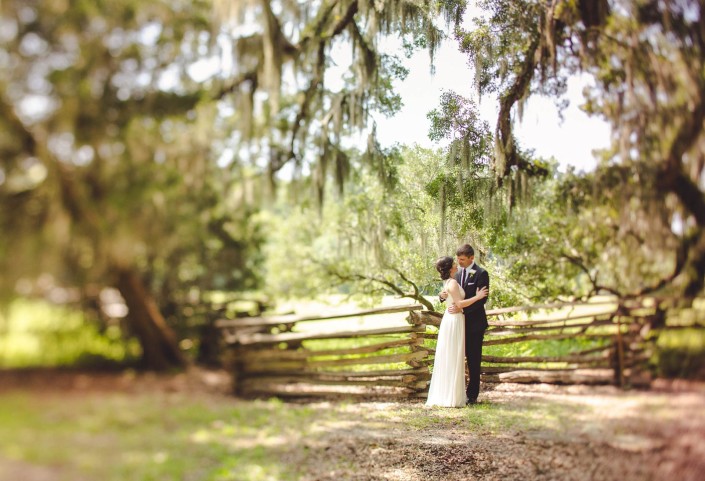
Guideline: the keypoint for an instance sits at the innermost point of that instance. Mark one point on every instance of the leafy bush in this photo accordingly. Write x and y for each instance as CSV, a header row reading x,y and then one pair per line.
x,y
681,354
37,333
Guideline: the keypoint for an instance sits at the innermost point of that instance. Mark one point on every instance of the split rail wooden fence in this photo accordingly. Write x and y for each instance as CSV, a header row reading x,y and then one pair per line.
x,y
290,356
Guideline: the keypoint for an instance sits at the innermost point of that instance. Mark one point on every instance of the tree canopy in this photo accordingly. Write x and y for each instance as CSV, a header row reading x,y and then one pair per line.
x,y
307,75
646,61
107,166
140,140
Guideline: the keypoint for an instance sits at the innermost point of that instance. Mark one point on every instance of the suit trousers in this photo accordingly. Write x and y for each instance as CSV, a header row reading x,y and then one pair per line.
x,y
473,354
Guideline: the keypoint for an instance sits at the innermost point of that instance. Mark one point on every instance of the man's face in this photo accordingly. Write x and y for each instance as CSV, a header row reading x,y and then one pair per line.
x,y
464,261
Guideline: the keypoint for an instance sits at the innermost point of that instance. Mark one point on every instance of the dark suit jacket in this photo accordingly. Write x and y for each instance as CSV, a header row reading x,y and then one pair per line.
x,y
475,316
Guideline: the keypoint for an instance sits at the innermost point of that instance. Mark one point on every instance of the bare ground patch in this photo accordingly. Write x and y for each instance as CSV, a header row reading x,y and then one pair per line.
x,y
521,433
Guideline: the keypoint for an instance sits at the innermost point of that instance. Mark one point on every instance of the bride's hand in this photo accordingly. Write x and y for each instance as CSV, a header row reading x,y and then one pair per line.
x,y
482,293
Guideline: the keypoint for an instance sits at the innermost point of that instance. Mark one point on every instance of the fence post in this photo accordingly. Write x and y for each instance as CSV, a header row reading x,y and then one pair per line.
x,y
619,365
415,318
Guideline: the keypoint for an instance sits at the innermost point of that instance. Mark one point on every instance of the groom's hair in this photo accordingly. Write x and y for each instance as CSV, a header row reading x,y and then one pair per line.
x,y
465,250
443,266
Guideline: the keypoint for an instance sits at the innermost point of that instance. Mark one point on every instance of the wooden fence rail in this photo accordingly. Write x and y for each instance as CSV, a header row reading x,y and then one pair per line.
x,y
284,356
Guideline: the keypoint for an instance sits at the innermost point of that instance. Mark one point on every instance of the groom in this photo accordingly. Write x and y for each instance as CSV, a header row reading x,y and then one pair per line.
x,y
472,277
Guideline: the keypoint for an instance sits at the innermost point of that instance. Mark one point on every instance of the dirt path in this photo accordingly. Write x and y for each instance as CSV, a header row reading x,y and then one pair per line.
x,y
523,433
518,432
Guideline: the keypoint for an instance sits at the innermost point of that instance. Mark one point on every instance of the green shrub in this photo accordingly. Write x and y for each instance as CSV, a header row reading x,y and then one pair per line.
x,y
681,354
37,333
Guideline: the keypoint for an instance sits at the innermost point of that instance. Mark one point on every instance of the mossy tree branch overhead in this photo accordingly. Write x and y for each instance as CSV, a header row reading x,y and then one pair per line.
x,y
281,80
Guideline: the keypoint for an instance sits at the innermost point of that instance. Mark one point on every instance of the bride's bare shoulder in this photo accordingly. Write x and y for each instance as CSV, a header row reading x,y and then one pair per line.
x,y
451,282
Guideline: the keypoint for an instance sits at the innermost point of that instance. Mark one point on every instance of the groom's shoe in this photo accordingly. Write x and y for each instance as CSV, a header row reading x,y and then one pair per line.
x,y
471,402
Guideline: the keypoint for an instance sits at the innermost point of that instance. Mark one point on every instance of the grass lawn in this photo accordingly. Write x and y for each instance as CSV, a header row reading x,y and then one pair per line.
x,y
151,436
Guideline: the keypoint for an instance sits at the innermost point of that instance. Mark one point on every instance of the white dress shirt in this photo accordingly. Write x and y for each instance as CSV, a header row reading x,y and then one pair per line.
x,y
467,271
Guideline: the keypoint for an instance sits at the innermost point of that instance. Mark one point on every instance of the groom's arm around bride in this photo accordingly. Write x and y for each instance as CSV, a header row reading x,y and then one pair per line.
x,y
482,287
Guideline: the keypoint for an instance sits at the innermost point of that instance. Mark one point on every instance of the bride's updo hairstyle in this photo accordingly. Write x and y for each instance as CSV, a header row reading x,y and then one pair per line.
x,y
443,266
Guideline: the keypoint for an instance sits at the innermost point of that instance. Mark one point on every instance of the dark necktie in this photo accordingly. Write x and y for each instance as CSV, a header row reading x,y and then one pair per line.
x,y
462,278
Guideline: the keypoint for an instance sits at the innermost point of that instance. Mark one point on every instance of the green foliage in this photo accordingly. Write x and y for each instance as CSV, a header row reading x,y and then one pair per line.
x,y
681,354
40,334
458,118
372,241
375,241
579,231
117,167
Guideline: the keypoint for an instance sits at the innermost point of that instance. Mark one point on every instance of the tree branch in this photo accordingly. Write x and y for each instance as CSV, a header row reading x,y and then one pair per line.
x,y
345,20
675,180
504,133
304,106
390,286
237,81
317,80
275,28
578,262
29,143
319,23
681,258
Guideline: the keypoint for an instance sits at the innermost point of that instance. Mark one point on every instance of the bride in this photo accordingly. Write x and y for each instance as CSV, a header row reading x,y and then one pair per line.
x,y
448,379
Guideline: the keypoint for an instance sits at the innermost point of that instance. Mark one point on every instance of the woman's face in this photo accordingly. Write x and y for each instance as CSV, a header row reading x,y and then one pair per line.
x,y
453,269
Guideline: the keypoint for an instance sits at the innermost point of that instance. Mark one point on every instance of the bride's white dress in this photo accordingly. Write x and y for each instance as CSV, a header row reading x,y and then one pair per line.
x,y
448,379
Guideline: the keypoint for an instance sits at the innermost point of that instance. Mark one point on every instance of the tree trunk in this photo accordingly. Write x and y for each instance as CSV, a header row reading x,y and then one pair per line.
x,y
160,347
